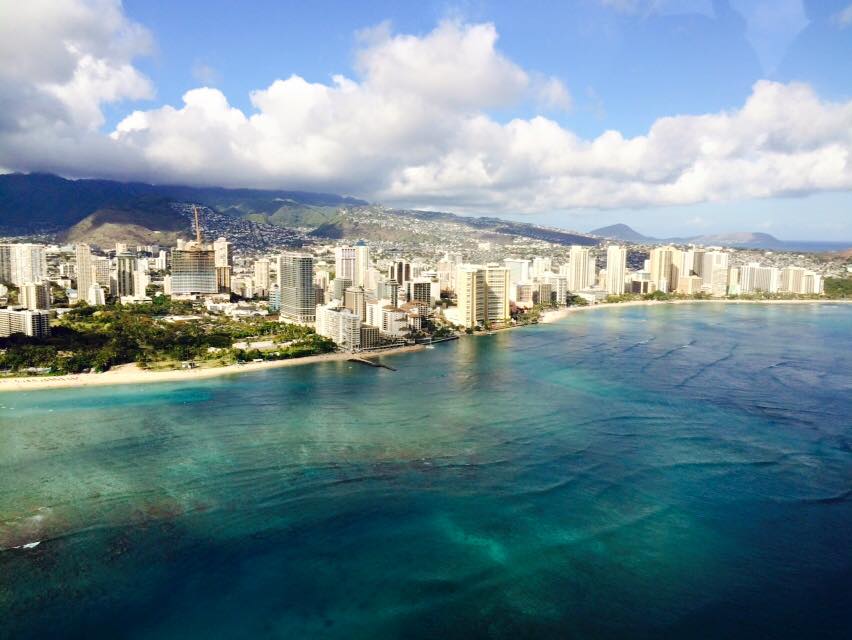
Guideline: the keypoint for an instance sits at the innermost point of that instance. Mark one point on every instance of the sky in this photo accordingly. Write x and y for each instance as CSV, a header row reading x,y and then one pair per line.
x,y
678,117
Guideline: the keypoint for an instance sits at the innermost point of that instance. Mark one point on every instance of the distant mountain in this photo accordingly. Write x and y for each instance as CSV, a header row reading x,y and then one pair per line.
x,y
621,232
105,211
30,202
742,240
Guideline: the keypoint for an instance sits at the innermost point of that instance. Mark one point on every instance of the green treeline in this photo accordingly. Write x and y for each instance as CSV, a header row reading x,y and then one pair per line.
x,y
97,338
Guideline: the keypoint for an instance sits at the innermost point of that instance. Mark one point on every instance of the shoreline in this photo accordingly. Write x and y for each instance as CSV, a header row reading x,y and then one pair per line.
x,y
132,374
549,317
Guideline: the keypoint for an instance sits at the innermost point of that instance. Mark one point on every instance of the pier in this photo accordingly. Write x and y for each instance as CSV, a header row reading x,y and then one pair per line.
x,y
370,363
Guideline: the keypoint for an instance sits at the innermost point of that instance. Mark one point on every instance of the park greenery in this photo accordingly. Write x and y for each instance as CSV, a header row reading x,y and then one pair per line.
x,y
97,338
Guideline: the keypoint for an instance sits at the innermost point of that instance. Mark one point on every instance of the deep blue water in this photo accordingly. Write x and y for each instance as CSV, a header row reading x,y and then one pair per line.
x,y
673,471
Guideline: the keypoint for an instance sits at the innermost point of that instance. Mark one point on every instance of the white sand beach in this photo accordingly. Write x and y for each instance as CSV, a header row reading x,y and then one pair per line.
x,y
132,374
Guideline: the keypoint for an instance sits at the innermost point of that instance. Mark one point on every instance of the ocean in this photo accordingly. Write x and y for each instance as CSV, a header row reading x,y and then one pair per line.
x,y
678,471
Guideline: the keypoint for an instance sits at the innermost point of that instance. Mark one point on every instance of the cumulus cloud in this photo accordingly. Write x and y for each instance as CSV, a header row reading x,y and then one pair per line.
x,y
61,59
414,128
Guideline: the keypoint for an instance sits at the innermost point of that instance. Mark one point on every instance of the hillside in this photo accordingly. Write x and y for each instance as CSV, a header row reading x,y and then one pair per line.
x,y
742,239
37,202
103,211
147,221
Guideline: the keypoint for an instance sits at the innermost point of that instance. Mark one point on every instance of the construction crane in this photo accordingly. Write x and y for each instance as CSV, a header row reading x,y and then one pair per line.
x,y
197,226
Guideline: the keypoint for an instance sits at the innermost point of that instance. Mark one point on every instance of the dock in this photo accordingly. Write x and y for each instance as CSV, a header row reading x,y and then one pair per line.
x,y
370,363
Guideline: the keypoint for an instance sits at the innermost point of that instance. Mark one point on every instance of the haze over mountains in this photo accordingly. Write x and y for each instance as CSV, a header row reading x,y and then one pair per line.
x,y
741,239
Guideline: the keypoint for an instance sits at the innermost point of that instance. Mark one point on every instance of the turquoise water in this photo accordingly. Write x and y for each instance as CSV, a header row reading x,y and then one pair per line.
x,y
677,471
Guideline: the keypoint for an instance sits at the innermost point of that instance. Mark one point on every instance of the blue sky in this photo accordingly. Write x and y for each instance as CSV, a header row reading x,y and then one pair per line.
x,y
626,64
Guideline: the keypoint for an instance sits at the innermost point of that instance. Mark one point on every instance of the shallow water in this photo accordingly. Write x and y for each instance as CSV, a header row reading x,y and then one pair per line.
x,y
680,471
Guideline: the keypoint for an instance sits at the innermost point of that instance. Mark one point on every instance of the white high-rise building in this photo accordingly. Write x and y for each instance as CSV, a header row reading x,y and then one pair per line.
x,y
483,294
352,263
33,323
261,277
755,278
497,293
470,290
223,253
714,272
27,263
95,295
616,266
35,295
84,270
578,268
340,325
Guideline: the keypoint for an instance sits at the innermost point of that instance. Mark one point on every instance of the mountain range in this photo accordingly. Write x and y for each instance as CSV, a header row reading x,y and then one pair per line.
x,y
105,211
742,239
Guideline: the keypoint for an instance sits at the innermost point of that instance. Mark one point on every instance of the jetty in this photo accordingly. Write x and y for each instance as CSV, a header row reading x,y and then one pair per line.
x,y
371,363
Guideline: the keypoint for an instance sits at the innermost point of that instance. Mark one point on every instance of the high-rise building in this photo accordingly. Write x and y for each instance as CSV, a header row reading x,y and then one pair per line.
x,y
101,267
27,263
355,299
352,263
791,279
340,325
339,287
483,294
125,275
224,253
194,270
388,290
422,290
714,272
5,263
754,279
401,272
35,295
799,280
274,298
470,291
33,323
296,282
665,267
95,296
497,293
84,270
616,266
578,268
558,286
261,277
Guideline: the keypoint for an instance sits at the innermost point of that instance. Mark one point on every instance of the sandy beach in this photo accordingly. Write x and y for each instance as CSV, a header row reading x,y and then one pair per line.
x,y
132,374
559,314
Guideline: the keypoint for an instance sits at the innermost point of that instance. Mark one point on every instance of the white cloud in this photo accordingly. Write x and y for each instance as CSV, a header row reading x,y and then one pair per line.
x,y
414,129
61,59
553,94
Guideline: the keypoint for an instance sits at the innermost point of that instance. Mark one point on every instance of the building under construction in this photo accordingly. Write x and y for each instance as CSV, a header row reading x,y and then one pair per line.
x,y
194,267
